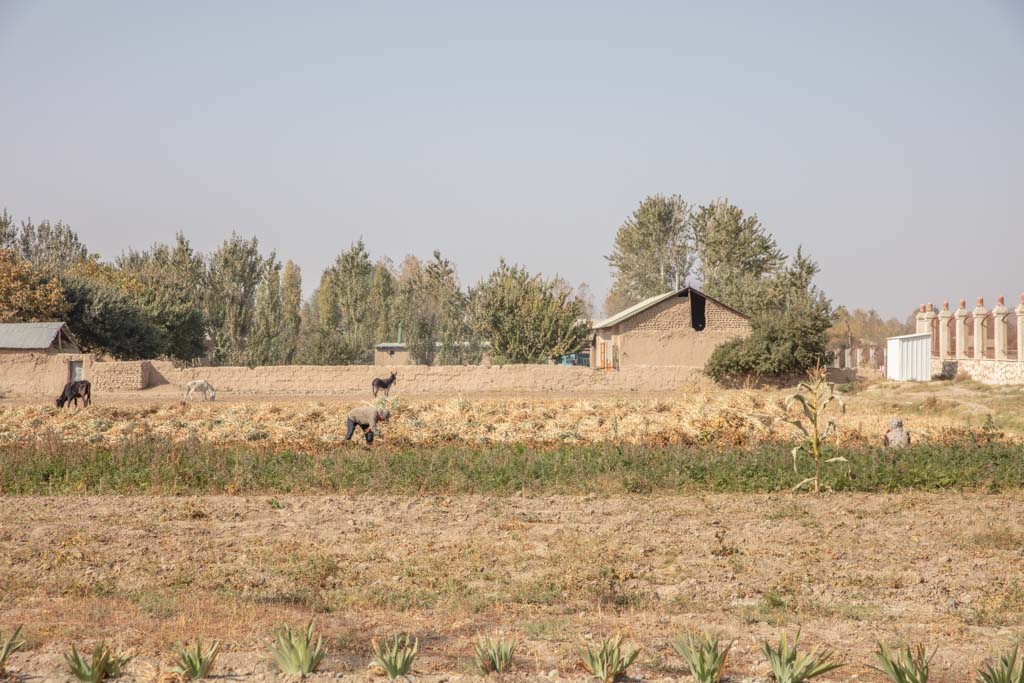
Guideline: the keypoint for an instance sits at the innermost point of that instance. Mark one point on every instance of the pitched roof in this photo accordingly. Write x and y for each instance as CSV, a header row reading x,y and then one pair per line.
x,y
653,301
30,335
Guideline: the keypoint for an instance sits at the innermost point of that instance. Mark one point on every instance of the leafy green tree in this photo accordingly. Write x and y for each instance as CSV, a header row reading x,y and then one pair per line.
x,y
653,251
353,306
52,247
229,297
525,318
25,294
291,311
265,344
735,254
857,326
433,312
8,232
107,319
171,280
789,333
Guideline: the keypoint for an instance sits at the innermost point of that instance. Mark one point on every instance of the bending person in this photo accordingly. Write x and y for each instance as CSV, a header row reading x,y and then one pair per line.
x,y
367,417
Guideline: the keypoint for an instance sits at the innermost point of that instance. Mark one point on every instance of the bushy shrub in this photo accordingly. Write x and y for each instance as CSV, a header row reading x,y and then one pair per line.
x,y
788,344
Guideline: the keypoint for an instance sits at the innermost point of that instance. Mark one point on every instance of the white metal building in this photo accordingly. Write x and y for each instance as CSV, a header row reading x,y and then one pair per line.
x,y
909,358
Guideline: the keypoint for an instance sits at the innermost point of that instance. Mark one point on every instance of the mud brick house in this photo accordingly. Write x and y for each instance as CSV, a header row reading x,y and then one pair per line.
x,y
679,328
39,357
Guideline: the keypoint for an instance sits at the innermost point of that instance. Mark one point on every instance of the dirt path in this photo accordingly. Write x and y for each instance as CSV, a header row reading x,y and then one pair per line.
x,y
146,572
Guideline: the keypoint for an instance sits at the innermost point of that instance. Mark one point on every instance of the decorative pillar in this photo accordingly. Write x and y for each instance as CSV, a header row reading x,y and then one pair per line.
x,y
945,317
848,358
999,315
922,325
980,342
1020,330
873,358
960,327
929,327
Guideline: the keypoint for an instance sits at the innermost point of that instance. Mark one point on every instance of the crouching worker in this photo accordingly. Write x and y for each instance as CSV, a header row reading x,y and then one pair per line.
x,y
896,436
366,417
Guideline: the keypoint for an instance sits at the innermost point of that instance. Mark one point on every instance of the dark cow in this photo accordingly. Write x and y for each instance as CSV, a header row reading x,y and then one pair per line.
x,y
384,384
74,391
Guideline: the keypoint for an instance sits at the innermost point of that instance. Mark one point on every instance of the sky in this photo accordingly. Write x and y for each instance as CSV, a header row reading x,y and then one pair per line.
x,y
885,138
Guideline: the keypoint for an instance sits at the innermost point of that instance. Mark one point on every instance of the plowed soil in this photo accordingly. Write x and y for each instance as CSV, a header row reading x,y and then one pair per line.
x,y
146,572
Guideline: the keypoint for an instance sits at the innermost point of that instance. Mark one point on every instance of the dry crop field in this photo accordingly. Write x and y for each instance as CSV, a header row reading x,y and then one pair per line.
x,y
549,568
698,413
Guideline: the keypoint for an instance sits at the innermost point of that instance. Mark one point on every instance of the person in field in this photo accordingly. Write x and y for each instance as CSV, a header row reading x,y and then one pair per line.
x,y
367,417
896,436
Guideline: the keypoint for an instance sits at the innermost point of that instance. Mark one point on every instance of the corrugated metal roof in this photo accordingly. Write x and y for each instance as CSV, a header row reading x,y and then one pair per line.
x,y
657,299
28,335
634,309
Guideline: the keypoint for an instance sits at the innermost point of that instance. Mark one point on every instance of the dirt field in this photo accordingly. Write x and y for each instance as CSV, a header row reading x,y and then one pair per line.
x,y
146,572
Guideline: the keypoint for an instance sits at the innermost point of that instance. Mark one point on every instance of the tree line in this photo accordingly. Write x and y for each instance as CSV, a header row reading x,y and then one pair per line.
x,y
239,306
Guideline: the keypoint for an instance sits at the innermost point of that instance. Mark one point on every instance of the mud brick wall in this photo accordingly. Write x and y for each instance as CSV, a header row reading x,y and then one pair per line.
x,y
419,379
664,334
118,376
38,372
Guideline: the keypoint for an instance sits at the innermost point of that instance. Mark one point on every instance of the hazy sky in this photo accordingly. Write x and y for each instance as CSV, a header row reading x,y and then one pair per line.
x,y
885,137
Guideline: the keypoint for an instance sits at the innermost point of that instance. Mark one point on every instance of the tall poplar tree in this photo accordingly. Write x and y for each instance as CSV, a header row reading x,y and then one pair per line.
x,y
652,253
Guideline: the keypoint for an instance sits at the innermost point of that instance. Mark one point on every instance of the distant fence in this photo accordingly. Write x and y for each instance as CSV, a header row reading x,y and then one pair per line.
x,y
986,345
869,357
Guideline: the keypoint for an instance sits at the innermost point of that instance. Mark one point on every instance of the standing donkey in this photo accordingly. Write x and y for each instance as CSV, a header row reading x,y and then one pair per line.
x,y
384,384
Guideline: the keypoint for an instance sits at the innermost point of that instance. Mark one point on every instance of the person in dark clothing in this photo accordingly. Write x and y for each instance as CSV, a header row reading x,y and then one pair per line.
x,y
367,417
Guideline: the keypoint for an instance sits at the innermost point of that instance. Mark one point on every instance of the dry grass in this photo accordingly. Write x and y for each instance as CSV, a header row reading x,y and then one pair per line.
x,y
147,572
698,415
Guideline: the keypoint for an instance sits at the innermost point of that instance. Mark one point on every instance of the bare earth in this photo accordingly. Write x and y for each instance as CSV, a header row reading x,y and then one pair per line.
x,y
145,572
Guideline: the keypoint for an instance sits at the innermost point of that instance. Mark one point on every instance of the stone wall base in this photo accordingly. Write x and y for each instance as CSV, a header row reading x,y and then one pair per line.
x,y
986,370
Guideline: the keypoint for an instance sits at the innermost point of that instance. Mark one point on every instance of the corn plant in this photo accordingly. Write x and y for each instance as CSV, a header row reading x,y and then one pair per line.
x,y
818,394
704,655
790,667
103,664
906,666
397,656
494,657
298,651
195,663
9,646
610,661
1005,670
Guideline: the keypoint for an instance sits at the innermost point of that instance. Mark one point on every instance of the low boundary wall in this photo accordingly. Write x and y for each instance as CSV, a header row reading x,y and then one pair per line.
x,y
437,379
120,375
984,370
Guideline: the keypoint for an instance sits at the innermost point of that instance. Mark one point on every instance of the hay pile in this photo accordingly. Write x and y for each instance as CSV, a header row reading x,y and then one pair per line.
x,y
722,418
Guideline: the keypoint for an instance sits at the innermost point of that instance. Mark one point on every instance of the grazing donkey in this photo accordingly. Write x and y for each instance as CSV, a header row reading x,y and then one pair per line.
x,y
74,391
200,386
384,384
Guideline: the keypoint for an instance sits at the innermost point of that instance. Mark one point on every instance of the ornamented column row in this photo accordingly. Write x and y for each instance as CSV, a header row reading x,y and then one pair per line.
x,y
971,340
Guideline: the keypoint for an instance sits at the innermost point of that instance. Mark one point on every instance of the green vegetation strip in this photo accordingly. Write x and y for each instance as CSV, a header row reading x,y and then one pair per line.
x,y
159,467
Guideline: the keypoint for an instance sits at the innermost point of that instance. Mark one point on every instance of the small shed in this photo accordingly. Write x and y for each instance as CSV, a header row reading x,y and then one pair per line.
x,y
39,358
908,358
391,353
